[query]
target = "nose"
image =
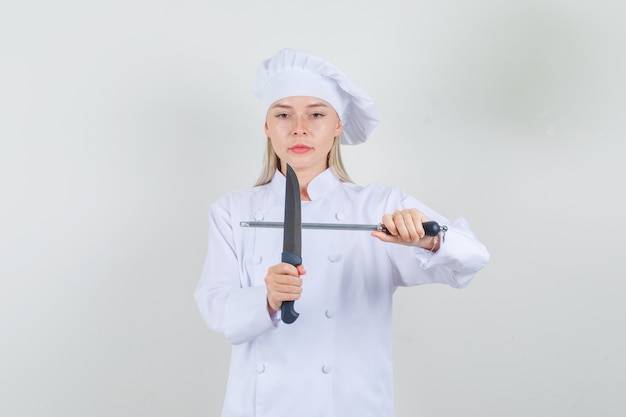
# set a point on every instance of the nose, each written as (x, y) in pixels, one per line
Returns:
(300, 127)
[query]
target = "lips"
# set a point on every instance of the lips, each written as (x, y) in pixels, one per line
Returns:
(300, 148)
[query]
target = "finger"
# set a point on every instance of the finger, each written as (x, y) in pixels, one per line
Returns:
(283, 268)
(283, 280)
(276, 295)
(385, 237)
(419, 219)
(389, 224)
(275, 299)
(281, 289)
(401, 224)
(413, 226)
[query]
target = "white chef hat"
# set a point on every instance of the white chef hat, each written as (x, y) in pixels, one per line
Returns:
(292, 73)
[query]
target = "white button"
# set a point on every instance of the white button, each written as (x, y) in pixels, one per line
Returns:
(257, 260)
(330, 313)
(340, 216)
(258, 216)
(260, 368)
(334, 257)
(327, 369)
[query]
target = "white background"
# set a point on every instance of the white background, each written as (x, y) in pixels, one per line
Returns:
(121, 121)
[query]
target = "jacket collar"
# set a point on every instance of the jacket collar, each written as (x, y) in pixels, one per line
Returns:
(319, 187)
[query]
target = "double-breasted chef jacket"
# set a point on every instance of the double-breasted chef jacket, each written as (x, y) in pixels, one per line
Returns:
(335, 359)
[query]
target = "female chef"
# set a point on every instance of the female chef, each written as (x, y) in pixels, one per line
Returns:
(335, 360)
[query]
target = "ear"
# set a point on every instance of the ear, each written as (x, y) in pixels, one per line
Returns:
(267, 133)
(339, 128)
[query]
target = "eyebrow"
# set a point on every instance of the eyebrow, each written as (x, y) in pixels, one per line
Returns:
(286, 106)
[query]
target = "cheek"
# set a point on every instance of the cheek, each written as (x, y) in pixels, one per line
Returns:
(279, 146)
(328, 144)
(277, 130)
(274, 143)
(269, 128)
(273, 132)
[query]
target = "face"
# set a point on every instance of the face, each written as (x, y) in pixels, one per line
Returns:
(302, 131)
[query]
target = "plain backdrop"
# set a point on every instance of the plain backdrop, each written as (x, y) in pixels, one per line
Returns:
(121, 121)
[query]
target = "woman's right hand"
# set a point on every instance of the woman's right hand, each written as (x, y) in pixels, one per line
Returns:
(283, 283)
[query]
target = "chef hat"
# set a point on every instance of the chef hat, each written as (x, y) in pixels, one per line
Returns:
(292, 73)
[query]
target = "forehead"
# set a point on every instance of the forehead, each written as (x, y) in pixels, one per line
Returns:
(300, 101)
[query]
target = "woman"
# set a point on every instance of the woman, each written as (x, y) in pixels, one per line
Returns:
(335, 360)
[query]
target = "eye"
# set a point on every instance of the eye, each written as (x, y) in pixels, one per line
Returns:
(317, 115)
(282, 115)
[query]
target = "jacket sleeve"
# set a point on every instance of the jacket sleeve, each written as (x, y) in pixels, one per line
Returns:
(238, 311)
(456, 262)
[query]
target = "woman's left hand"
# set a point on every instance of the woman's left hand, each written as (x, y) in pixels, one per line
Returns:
(405, 228)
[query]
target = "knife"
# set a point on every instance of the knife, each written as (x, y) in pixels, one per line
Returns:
(292, 236)
(431, 228)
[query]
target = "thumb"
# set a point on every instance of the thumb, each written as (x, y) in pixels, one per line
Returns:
(384, 237)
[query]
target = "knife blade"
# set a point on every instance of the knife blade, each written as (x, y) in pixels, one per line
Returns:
(431, 228)
(292, 236)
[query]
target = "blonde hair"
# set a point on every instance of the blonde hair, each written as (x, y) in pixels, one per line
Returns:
(272, 162)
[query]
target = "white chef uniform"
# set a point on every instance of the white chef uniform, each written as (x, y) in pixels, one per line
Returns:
(335, 360)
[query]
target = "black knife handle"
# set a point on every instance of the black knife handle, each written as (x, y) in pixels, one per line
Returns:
(431, 228)
(287, 310)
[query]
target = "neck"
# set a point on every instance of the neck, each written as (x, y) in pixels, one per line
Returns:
(305, 176)
(304, 179)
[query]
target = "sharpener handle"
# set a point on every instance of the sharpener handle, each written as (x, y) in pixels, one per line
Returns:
(431, 228)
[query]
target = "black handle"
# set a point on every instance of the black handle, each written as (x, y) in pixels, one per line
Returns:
(287, 311)
(431, 228)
